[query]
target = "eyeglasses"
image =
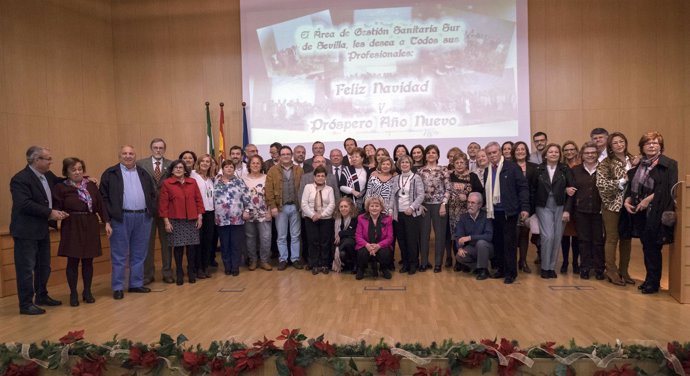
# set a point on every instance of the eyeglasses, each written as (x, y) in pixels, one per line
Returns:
(46, 158)
(648, 143)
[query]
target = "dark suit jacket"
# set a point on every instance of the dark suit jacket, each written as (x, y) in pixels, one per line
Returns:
(30, 209)
(147, 165)
(112, 191)
(308, 165)
(514, 189)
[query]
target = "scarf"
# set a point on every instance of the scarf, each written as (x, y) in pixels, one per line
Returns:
(340, 223)
(84, 195)
(493, 188)
(642, 183)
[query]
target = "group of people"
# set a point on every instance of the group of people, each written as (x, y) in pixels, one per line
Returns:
(345, 213)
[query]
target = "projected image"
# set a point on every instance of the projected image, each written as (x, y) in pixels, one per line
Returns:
(434, 70)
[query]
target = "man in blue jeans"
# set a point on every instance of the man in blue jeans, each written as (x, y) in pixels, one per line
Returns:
(129, 195)
(282, 190)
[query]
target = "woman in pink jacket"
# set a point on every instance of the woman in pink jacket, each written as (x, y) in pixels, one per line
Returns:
(374, 239)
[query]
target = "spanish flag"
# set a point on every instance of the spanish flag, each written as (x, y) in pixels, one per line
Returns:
(221, 134)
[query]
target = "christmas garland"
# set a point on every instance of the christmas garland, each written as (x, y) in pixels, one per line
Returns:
(295, 353)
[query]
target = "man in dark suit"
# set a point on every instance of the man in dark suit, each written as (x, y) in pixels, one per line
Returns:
(32, 213)
(318, 149)
(129, 194)
(506, 197)
(157, 166)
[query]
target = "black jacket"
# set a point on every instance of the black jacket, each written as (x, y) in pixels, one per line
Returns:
(562, 178)
(514, 188)
(30, 210)
(665, 175)
(112, 190)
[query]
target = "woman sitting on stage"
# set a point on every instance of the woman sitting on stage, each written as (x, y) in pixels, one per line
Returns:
(374, 239)
(345, 226)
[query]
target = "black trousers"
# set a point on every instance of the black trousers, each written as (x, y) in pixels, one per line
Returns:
(505, 247)
(407, 232)
(320, 241)
(348, 256)
(590, 236)
(651, 250)
(384, 257)
(207, 247)
(32, 267)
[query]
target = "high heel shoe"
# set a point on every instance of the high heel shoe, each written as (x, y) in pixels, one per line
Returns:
(617, 281)
(74, 300)
(564, 269)
(88, 297)
(524, 268)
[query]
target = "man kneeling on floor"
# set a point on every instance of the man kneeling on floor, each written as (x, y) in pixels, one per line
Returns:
(473, 234)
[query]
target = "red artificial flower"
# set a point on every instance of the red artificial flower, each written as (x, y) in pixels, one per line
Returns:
(91, 365)
(193, 362)
(432, 371)
(625, 370)
(505, 348)
(548, 347)
(72, 337)
(325, 347)
(217, 366)
(247, 359)
(387, 362)
(28, 369)
(474, 359)
(137, 357)
(287, 333)
(264, 345)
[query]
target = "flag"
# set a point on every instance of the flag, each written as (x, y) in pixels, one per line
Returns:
(245, 130)
(209, 134)
(221, 134)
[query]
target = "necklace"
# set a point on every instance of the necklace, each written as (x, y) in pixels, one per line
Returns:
(402, 183)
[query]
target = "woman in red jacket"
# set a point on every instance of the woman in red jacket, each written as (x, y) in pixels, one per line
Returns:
(181, 207)
(374, 239)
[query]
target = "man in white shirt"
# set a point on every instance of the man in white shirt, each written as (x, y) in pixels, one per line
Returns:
(236, 158)
(600, 137)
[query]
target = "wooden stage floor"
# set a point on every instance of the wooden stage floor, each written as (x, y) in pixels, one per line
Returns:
(420, 308)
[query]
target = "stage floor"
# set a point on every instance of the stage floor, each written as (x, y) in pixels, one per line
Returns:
(420, 308)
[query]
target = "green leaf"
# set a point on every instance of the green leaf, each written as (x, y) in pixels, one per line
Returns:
(486, 365)
(181, 339)
(282, 368)
(353, 365)
(165, 340)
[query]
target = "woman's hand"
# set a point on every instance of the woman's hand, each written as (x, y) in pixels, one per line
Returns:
(356, 193)
(442, 210)
(409, 211)
(108, 230)
(644, 204)
(570, 191)
(168, 226)
(566, 217)
(246, 215)
(199, 222)
(629, 206)
(337, 239)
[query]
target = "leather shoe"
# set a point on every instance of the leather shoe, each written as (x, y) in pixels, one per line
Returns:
(168, 280)
(564, 269)
(552, 274)
(509, 280)
(650, 290)
(265, 266)
(437, 269)
(297, 265)
(599, 275)
(483, 274)
(386, 274)
(47, 301)
(282, 265)
(642, 285)
(498, 275)
(404, 269)
(118, 294)
(149, 281)
(141, 289)
(421, 268)
(74, 300)
(32, 310)
(545, 274)
(584, 274)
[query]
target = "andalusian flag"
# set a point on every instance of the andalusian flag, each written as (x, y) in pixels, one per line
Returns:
(209, 132)
(221, 134)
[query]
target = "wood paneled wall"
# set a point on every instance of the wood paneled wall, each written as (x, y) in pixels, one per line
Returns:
(85, 76)
(56, 85)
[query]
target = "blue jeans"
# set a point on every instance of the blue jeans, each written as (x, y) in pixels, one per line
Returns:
(130, 239)
(231, 240)
(288, 216)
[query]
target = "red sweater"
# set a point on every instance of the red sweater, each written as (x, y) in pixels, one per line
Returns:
(180, 201)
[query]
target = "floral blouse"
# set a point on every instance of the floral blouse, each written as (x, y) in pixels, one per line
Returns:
(230, 200)
(257, 197)
(436, 184)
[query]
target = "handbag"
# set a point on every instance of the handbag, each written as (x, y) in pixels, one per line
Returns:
(668, 217)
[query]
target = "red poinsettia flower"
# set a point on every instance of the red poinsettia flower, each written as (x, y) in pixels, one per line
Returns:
(287, 333)
(474, 359)
(548, 347)
(28, 369)
(325, 347)
(247, 359)
(264, 345)
(138, 357)
(625, 370)
(91, 365)
(217, 366)
(72, 337)
(432, 371)
(193, 362)
(387, 362)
